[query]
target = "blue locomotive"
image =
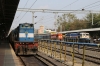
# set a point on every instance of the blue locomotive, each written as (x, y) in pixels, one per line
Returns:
(23, 39)
(78, 37)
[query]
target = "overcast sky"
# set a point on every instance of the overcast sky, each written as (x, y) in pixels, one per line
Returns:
(47, 19)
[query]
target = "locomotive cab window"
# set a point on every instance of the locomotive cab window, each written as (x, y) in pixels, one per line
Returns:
(31, 25)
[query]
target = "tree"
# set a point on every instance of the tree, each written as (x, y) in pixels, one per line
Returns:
(65, 20)
(96, 20)
(70, 22)
(96, 23)
(78, 24)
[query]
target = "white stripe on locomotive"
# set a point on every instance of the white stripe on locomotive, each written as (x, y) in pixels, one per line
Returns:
(22, 35)
(29, 35)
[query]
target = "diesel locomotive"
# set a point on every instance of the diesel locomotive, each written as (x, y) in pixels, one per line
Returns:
(77, 37)
(22, 39)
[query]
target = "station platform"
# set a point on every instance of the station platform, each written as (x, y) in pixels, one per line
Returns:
(7, 55)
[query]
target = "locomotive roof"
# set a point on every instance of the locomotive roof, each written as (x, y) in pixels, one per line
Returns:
(25, 23)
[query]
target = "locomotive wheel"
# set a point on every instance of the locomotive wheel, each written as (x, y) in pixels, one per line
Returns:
(16, 52)
(25, 50)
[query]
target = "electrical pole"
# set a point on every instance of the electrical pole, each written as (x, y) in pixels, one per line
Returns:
(92, 18)
(32, 17)
(61, 28)
(56, 11)
(55, 21)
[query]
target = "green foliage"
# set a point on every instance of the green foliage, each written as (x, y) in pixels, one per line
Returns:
(70, 22)
(65, 20)
(96, 20)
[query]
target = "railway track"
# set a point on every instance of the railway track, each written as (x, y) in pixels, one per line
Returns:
(88, 58)
(93, 49)
(36, 60)
(89, 48)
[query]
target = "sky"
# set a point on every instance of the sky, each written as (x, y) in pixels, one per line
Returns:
(48, 19)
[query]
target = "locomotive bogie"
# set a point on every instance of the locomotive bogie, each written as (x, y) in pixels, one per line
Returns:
(25, 47)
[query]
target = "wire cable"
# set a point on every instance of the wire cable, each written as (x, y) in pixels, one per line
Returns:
(87, 6)
(43, 19)
(83, 7)
(23, 7)
(90, 4)
(69, 4)
(27, 11)
(66, 6)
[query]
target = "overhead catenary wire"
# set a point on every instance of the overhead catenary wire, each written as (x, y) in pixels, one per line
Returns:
(69, 4)
(87, 6)
(21, 11)
(43, 19)
(64, 7)
(28, 9)
(90, 4)
(83, 7)
(95, 7)
(23, 7)
(49, 20)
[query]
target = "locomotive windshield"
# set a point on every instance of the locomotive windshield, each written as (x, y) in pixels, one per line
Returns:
(84, 35)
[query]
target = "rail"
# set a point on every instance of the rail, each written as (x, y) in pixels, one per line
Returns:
(44, 45)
